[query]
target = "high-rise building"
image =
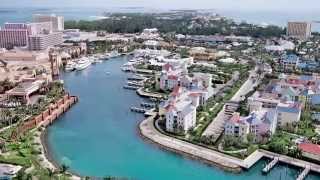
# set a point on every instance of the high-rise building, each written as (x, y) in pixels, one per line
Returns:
(57, 21)
(43, 41)
(40, 28)
(300, 30)
(14, 34)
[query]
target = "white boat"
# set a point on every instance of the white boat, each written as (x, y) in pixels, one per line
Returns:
(113, 54)
(83, 63)
(71, 66)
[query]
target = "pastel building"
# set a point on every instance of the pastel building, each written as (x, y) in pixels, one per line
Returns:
(289, 62)
(172, 76)
(14, 34)
(288, 113)
(261, 124)
(19, 34)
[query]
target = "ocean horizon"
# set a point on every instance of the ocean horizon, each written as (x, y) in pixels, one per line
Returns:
(279, 18)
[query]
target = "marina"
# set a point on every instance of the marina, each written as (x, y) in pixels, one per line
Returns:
(111, 151)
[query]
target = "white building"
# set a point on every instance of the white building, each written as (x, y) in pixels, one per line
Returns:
(57, 21)
(180, 110)
(43, 41)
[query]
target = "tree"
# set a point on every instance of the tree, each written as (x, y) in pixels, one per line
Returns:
(64, 168)
(50, 172)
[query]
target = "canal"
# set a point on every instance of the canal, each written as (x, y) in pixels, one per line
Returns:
(99, 137)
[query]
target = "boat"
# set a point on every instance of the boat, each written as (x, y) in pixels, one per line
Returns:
(108, 73)
(114, 54)
(71, 66)
(83, 63)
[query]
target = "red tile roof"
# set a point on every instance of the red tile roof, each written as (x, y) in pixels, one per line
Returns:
(167, 67)
(173, 77)
(310, 148)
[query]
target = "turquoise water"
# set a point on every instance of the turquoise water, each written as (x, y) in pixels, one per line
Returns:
(99, 137)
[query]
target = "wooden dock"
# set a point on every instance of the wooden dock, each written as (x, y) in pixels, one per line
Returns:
(269, 166)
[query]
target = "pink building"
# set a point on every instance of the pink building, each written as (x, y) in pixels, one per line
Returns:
(14, 34)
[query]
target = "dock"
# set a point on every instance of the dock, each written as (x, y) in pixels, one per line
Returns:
(135, 83)
(304, 173)
(148, 105)
(269, 166)
(138, 110)
(131, 87)
(136, 78)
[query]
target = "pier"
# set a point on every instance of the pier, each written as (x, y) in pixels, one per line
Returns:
(135, 83)
(136, 78)
(148, 105)
(269, 166)
(131, 87)
(304, 173)
(138, 110)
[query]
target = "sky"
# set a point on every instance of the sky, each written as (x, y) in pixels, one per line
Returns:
(245, 5)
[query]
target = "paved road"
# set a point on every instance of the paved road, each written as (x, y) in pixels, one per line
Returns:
(216, 127)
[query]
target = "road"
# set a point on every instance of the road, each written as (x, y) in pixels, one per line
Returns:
(216, 127)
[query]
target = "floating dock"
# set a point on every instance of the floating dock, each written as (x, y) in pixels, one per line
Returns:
(269, 166)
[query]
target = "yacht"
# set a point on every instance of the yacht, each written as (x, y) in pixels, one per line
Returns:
(83, 63)
(114, 54)
(71, 66)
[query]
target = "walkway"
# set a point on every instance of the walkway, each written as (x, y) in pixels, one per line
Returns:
(227, 162)
(147, 94)
(148, 130)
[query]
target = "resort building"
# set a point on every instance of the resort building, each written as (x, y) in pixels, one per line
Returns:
(181, 108)
(280, 46)
(14, 34)
(289, 62)
(287, 96)
(300, 30)
(149, 34)
(43, 41)
(288, 113)
(176, 74)
(260, 124)
(24, 90)
(57, 21)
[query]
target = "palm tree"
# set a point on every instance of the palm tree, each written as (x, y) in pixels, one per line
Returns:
(50, 172)
(7, 115)
(64, 168)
